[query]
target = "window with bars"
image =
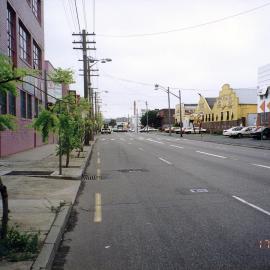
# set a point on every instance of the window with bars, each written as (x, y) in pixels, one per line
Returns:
(23, 104)
(25, 44)
(36, 56)
(11, 104)
(3, 103)
(11, 33)
(36, 7)
(29, 106)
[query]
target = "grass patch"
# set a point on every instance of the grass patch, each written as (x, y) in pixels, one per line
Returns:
(19, 246)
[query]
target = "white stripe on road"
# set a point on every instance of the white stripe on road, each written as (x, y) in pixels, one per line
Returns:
(112, 139)
(98, 212)
(252, 205)
(141, 149)
(209, 154)
(176, 146)
(164, 160)
(263, 166)
(154, 141)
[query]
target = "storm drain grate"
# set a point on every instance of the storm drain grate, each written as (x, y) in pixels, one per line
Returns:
(131, 170)
(91, 177)
(199, 190)
(30, 173)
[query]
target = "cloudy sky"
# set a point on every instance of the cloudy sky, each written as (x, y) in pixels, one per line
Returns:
(171, 43)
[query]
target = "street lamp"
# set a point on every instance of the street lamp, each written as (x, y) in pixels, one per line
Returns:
(167, 90)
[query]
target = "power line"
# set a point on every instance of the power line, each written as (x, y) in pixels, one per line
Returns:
(68, 21)
(188, 27)
(76, 8)
(72, 14)
(84, 14)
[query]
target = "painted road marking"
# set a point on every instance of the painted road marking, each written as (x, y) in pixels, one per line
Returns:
(98, 174)
(263, 166)
(154, 141)
(98, 154)
(209, 154)
(176, 146)
(98, 211)
(252, 205)
(112, 139)
(98, 160)
(141, 149)
(164, 160)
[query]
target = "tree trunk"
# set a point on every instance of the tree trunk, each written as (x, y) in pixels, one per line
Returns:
(4, 195)
(67, 159)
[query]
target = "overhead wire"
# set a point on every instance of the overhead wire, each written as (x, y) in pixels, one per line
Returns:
(187, 27)
(72, 15)
(78, 20)
(84, 14)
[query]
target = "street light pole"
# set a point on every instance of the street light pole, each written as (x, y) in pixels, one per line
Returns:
(180, 107)
(169, 105)
(146, 116)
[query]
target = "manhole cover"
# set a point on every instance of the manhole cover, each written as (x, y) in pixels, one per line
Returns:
(199, 190)
(30, 173)
(131, 170)
(91, 177)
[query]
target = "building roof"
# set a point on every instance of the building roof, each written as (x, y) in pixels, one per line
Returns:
(211, 101)
(246, 95)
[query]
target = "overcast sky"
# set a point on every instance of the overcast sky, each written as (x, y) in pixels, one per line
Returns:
(200, 58)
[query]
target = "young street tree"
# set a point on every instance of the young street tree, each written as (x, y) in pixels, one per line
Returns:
(153, 119)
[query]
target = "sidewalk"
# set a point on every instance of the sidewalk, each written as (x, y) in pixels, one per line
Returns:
(35, 200)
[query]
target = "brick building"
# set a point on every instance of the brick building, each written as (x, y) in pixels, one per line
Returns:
(164, 116)
(22, 39)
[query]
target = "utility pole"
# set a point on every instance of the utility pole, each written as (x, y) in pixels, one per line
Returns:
(146, 116)
(86, 70)
(180, 108)
(169, 103)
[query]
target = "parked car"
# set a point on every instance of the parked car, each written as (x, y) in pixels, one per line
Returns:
(195, 130)
(244, 131)
(228, 132)
(261, 133)
(106, 131)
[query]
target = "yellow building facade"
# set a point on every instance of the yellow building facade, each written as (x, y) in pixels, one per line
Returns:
(233, 107)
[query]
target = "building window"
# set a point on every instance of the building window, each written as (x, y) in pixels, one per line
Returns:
(216, 117)
(23, 104)
(3, 103)
(228, 116)
(25, 44)
(11, 104)
(213, 117)
(29, 106)
(232, 116)
(11, 33)
(221, 116)
(36, 56)
(36, 107)
(36, 7)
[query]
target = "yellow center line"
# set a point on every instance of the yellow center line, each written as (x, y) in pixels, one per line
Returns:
(98, 174)
(98, 211)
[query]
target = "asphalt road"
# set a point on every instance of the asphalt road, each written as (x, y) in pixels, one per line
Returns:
(168, 203)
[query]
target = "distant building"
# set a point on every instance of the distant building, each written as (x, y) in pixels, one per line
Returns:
(233, 107)
(263, 91)
(164, 116)
(187, 111)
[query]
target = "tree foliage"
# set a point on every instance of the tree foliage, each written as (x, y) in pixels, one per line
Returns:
(153, 119)
(60, 76)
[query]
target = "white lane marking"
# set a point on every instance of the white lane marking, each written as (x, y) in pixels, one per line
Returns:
(98, 160)
(176, 146)
(154, 141)
(98, 154)
(252, 205)
(164, 160)
(141, 149)
(98, 211)
(259, 165)
(98, 174)
(103, 139)
(112, 139)
(209, 154)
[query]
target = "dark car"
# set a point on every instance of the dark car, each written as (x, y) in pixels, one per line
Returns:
(261, 133)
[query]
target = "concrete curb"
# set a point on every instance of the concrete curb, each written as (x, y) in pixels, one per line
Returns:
(51, 244)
